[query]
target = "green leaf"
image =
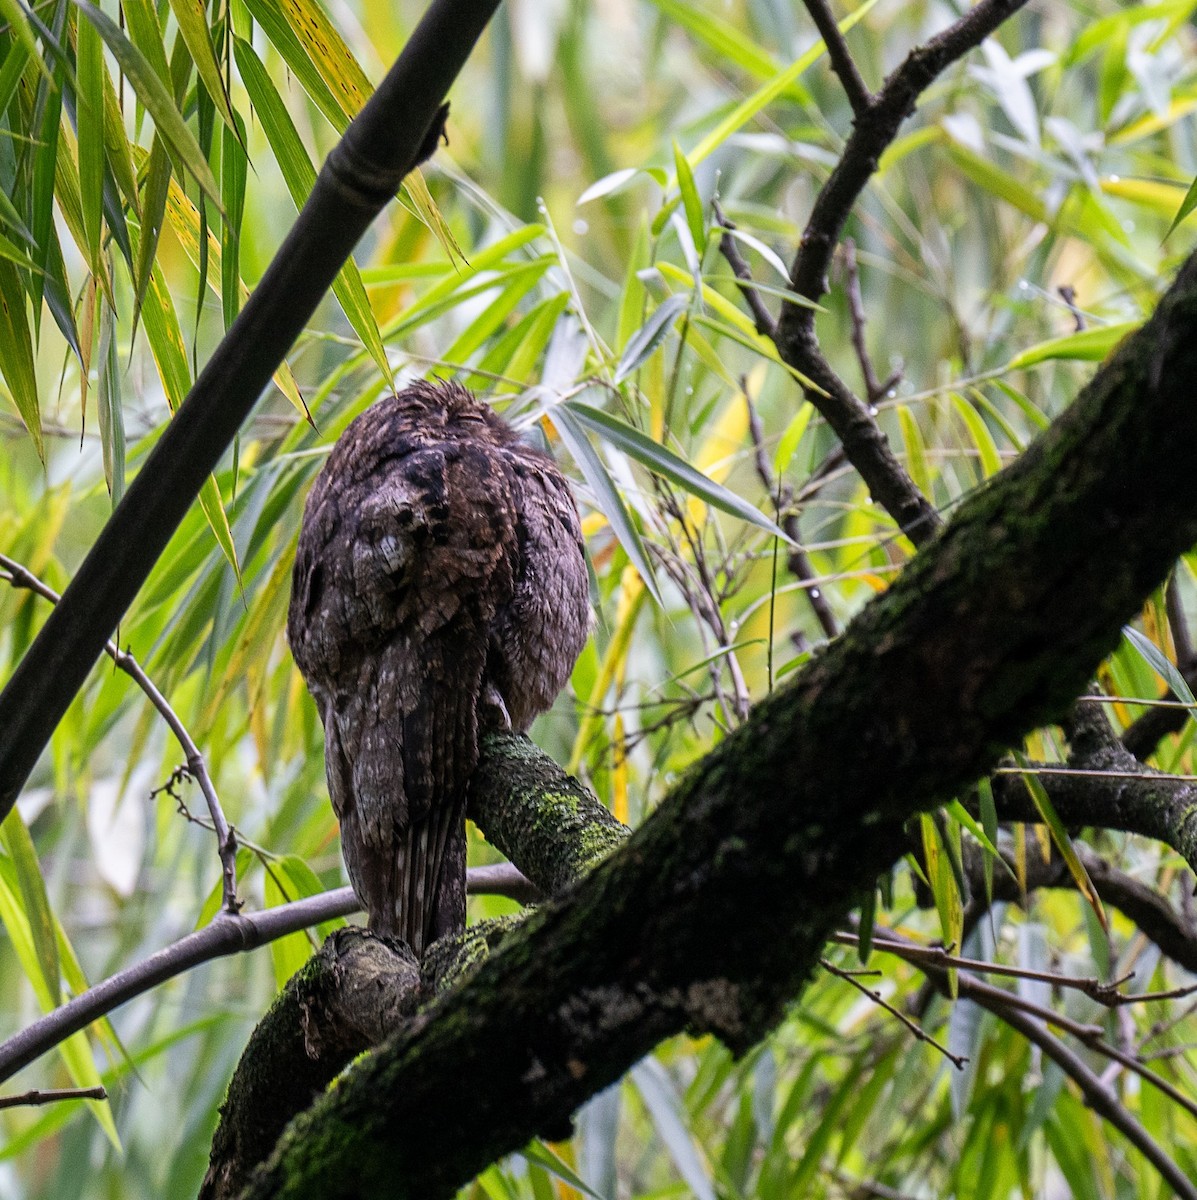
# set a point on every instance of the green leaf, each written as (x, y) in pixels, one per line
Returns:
(75, 1052)
(1061, 840)
(664, 462)
(1090, 345)
(278, 30)
(1159, 662)
(791, 438)
(192, 17)
(665, 1111)
(606, 495)
(289, 953)
(916, 451)
(991, 460)
(19, 845)
(90, 119)
(649, 336)
(300, 177)
(782, 82)
(146, 34)
(331, 56)
(997, 182)
(609, 185)
(233, 170)
(544, 1156)
(112, 416)
(16, 353)
(151, 91)
(17, 20)
(690, 199)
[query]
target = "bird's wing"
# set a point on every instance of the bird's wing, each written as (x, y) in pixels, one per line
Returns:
(539, 634)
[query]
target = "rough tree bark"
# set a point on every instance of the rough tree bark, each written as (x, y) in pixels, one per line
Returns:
(714, 913)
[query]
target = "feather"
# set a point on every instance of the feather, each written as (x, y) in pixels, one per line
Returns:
(439, 575)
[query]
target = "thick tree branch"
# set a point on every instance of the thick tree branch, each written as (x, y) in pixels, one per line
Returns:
(716, 910)
(1121, 794)
(393, 133)
(361, 988)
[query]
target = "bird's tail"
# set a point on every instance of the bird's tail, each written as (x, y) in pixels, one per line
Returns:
(430, 862)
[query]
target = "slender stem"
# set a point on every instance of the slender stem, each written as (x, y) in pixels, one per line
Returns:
(226, 840)
(52, 1096)
(766, 323)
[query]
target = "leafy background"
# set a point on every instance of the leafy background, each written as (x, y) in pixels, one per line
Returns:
(558, 256)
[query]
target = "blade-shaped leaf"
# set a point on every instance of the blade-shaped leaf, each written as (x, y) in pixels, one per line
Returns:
(16, 353)
(1160, 663)
(193, 25)
(649, 336)
(664, 462)
(300, 177)
(1090, 345)
(15, 836)
(606, 495)
(151, 91)
(1063, 843)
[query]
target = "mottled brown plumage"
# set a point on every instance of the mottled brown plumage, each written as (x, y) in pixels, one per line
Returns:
(439, 586)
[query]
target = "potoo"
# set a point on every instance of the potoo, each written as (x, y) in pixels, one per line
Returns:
(439, 588)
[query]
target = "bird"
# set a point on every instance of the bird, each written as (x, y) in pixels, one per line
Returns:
(439, 589)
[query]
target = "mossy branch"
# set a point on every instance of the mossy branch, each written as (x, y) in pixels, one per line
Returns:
(359, 989)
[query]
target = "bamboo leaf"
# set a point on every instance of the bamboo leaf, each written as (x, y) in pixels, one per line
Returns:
(649, 336)
(1063, 843)
(151, 91)
(606, 495)
(192, 17)
(89, 66)
(275, 25)
(982, 439)
(654, 456)
(36, 904)
(1090, 345)
(331, 56)
(16, 353)
(112, 416)
(782, 82)
(1159, 662)
(691, 200)
(300, 177)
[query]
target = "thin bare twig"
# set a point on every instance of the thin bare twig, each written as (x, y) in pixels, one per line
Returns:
(932, 961)
(1097, 1095)
(1067, 293)
(842, 62)
(1105, 992)
(52, 1096)
(871, 136)
(797, 560)
(875, 390)
(226, 839)
(766, 323)
(916, 1030)
(874, 129)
